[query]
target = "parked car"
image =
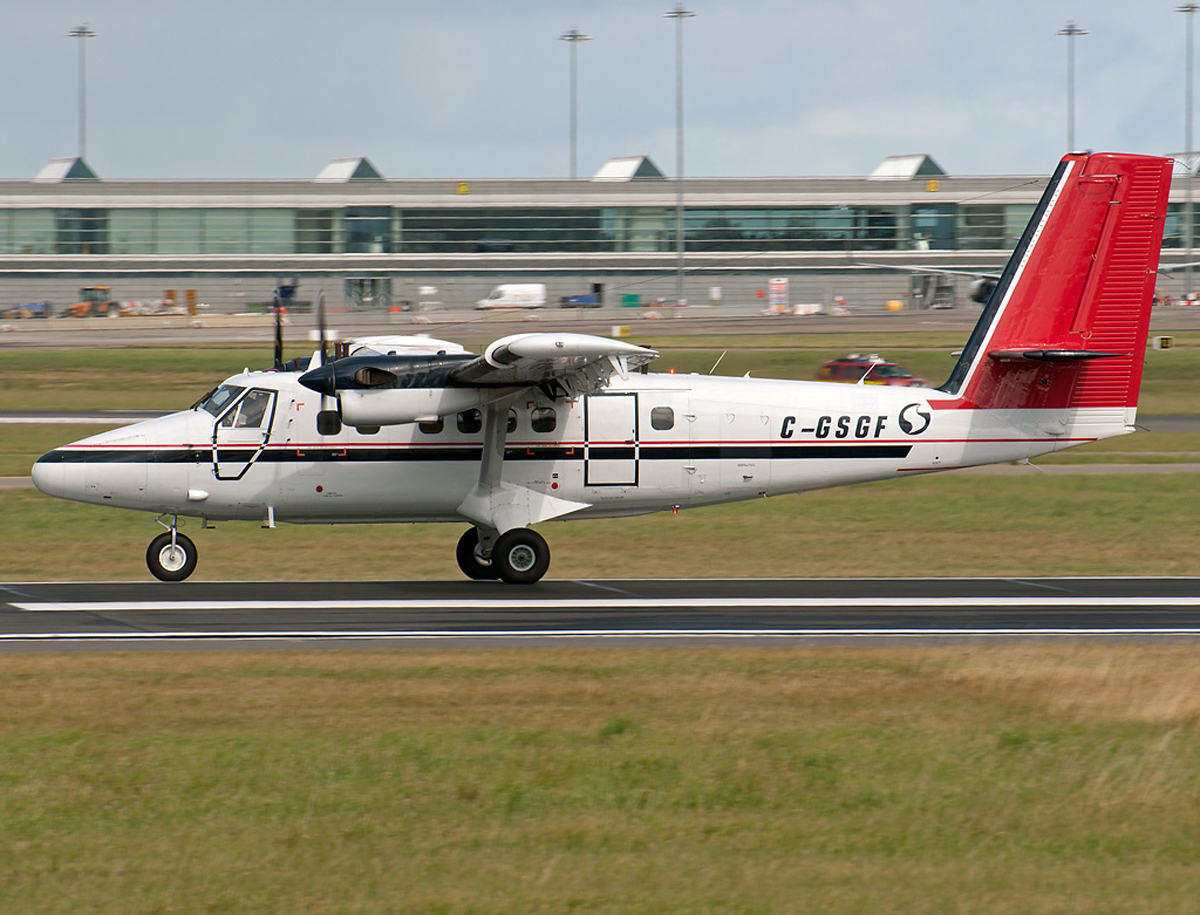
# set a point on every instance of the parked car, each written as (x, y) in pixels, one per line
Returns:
(853, 366)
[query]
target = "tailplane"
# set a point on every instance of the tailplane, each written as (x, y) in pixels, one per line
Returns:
(1066, 325)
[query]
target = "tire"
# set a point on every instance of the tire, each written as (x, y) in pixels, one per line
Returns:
(521, 556)
(469, 561)
(167, 566)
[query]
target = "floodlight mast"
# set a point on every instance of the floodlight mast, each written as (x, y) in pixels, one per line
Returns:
(574, 37)
(679, 14)
(1070, 31)
(1189, 229)
(83, 33)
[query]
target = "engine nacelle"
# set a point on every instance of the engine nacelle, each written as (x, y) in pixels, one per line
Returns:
(396, 406)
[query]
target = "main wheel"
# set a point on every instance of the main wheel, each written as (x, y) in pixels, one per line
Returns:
(469, 561)
(521, 556)
(171, 563)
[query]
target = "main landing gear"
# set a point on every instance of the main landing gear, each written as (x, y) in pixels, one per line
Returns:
(171, 556)
(519, 556)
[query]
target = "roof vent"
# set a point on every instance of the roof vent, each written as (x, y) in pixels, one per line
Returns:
(354, 168)
(899, 168)
(71, 168)
(628, 168)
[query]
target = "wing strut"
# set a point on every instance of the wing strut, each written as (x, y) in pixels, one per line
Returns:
(494, 506)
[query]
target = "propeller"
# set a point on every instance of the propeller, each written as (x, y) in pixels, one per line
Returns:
(329, 419)
(278, 333)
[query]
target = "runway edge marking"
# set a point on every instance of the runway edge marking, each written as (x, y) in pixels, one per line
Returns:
(417, 635)
(607, 603)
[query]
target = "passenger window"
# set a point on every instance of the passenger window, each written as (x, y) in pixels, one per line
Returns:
(432, 427)
(512, 421)
(543, 419)
(470, 422)
(662, 418)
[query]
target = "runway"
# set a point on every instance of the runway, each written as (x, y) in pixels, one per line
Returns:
(108, 616)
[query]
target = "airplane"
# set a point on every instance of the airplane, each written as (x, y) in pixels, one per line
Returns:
(544, 426)
(982, 284)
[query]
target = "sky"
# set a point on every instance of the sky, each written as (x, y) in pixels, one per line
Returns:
(275, 89)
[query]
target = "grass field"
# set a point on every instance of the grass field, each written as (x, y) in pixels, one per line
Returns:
(1022, 780)
(173, 378)
(1030, 524)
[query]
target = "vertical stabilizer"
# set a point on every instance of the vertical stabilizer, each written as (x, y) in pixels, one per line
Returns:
(1066, 326)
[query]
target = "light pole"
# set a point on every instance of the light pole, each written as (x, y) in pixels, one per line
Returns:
(83, 33)
(679, 14)
(574, 37)
(1071, 30)
(1188, 151)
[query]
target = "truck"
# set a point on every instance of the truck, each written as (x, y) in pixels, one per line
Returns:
(589, 300)
(514, 295)
(94, 301)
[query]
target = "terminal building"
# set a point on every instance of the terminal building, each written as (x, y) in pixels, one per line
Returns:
(367, 241)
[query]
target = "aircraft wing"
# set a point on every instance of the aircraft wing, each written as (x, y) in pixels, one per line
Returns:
(974, 273)
(580, 362)
(1169, 269)
(380, 389)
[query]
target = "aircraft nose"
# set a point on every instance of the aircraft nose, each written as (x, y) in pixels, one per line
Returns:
(50, 475)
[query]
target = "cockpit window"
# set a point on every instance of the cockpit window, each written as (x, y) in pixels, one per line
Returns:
(219, 399)
(250, 413)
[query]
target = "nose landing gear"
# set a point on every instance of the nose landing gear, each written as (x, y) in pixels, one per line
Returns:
(171, 556)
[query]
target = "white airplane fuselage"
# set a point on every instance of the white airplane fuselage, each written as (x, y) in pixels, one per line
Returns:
(649, 442)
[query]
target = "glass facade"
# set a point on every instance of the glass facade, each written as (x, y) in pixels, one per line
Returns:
(991, 227)
(1175, 235)
(201, 231)
(81, 231)
(452, 230)
(803, 229)
(540, 230)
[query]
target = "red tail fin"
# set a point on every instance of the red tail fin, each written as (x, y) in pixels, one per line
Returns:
(1066, 326)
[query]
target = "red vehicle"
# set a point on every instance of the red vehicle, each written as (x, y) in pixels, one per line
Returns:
(853, 366)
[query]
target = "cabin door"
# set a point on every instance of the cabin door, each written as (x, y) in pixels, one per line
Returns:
(610, 450)
(241, 433)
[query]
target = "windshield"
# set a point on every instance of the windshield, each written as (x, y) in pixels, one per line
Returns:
(889, 371)
(219, 399)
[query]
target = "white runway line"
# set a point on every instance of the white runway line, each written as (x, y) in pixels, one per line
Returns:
(601, 603)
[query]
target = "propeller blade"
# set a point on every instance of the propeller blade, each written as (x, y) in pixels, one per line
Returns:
(321, 329)
(329, 419)
(278, 333)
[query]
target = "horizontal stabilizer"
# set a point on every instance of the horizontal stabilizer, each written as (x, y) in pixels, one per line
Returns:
(1049, 355)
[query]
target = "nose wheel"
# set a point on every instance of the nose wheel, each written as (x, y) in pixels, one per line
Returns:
(171, 556)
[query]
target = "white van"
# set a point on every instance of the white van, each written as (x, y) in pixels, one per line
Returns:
(515, 295)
